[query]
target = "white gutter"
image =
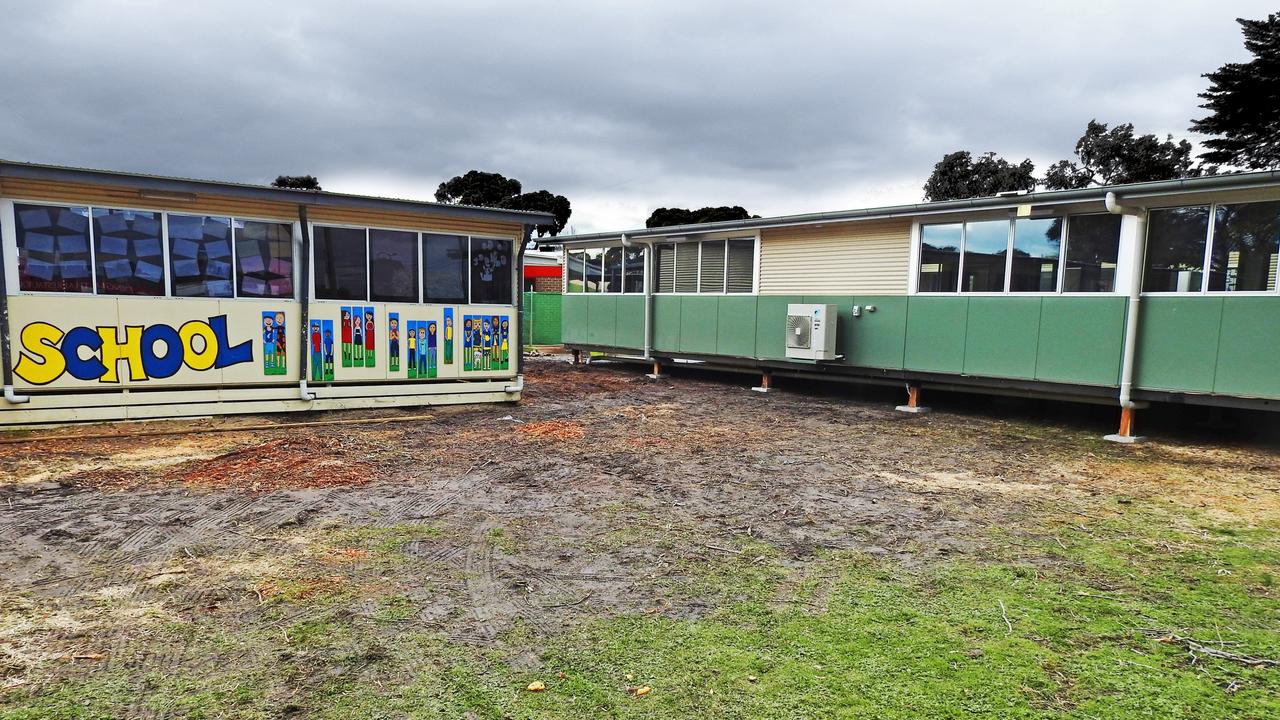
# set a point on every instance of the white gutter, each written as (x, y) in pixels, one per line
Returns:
(650, 267)
(13, 397)
(1135, 296)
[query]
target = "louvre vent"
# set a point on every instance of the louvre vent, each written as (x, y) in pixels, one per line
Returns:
(798, 331)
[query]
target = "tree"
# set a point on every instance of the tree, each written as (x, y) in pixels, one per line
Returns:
(486, 189)
(958, 176)
(667, 217)
(1116, 155)
(298, 182)
(1243, 101)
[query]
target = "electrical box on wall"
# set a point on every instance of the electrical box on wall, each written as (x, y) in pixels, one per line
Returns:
(811, 332)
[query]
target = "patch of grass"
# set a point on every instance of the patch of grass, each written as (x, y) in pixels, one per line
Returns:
(381, 542)
(396, 608)
(501, 539)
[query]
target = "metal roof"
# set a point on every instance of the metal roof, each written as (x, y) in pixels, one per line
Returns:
(34, 171)
(1131, 191)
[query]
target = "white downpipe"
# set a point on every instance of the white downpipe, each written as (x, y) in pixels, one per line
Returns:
(13, 398)
(303, 393)
(1135, 296)
(650, 267)
(518, 387)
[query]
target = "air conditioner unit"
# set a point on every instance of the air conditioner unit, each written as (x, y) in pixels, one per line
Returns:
(811, 332)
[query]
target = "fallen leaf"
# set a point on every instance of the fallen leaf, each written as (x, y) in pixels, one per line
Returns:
(642, 691)
(536, 686)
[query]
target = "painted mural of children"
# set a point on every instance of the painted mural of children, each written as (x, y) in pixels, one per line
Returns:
(280, 338)
(420, 359)
(411, 357)
(368, 337)
(393, 342)
(506, 347)
(357, 339)
(466, 344)
(448, 337)
(268, 343)
(328, 352)
(317, 359)
(431, 349)
(346, 337)
(486, 342)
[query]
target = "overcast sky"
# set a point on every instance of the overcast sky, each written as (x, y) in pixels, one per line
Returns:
(781, 107)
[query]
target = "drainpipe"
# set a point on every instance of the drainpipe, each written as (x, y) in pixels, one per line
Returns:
(1127, 404)
(526, 235)
(648, 292)
(303, 393)
(6, 358)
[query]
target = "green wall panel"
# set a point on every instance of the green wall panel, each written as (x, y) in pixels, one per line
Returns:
(1081, 340)
(573, 318)
(877, 339)
(736, 326)
(771, 325)
(630, 322)
(541, 321)
(699, 315)
(1001, 337)
(666, 322)
(1249, 348)
(1178, 343)
(602, 319)
(936, 333)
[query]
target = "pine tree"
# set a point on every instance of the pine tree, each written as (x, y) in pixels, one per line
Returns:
(1244, 103)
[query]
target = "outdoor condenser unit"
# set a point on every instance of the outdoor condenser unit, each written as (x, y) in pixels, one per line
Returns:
(811, 332)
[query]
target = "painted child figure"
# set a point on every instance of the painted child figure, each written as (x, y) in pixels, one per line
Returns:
(448, 337)
(466, 345)
(368, 338)
(420, 360)
(357, 339)
(346, 337)
(431, 349)
(506, 344)
(486, 342)
(317, 359)
(393, 342)
(268, 343)
(280, 338)
(328, 353)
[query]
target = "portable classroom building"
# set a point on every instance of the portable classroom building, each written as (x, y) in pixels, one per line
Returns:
(1161, 291)
(134, 296)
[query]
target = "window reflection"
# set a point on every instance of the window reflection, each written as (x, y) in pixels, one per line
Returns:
(1037, 244)
(1176, 240)
(939, 257)
(1246, 238)
(986, 244)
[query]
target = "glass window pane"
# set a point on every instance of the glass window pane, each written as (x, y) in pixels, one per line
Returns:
(264, 259)
(612, 270)
(1246, 244)
(986, 245)
(490, 271)
(687, 268)
(575, 267)
(1093, 245)
(592, 269)
(633, 270)
(340, 264)
(939, 257)
(130, 260)
(1175, 249)
(742, 262)
(53, 249)
(712, 273)
(200, 256)
(666, 268)
(393, 266)
(1037, 245)
(444, 268)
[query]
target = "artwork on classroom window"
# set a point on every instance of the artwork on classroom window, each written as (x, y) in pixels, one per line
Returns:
(486, 342)
(448, 336)
(393, 342)
(321, 350)
(357, 336)
(273, 343)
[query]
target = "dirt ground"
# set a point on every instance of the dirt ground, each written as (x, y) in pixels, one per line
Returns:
(595, 496)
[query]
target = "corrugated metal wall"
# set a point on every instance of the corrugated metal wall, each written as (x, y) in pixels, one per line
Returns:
(860, 257)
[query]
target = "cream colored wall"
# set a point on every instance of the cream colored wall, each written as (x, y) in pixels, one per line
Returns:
(871, 257)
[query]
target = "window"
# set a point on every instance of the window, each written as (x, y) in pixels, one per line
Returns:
(1037, 244)
(393, 266)
(53, 249)
(1093, 246)
(1176, 239)
(200, 256)
(986, 244)
(741, 265)
(687, 268)
(1246, 245)
(130, 260)
(711, 272)
(666, 266)
(940, 257)
(341, 263)
(612, 270)
(575, 260)
(264, 259)
(491, 277)
(633, 270)
(593, 269)
(444, 268)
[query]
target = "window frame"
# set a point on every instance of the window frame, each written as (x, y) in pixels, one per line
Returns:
(512, 264)
(755, 265)
(570, 251)
(1210, 237)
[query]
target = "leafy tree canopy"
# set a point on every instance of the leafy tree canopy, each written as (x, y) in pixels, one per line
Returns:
(486, 189)
(958, 175)
(297, 182)
(666, 217)
(1113, 156)
(1243, 101)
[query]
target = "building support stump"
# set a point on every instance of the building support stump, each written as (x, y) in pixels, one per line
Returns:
(913, 405)
(766, 381)
(657, 372)
(1125, 435)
